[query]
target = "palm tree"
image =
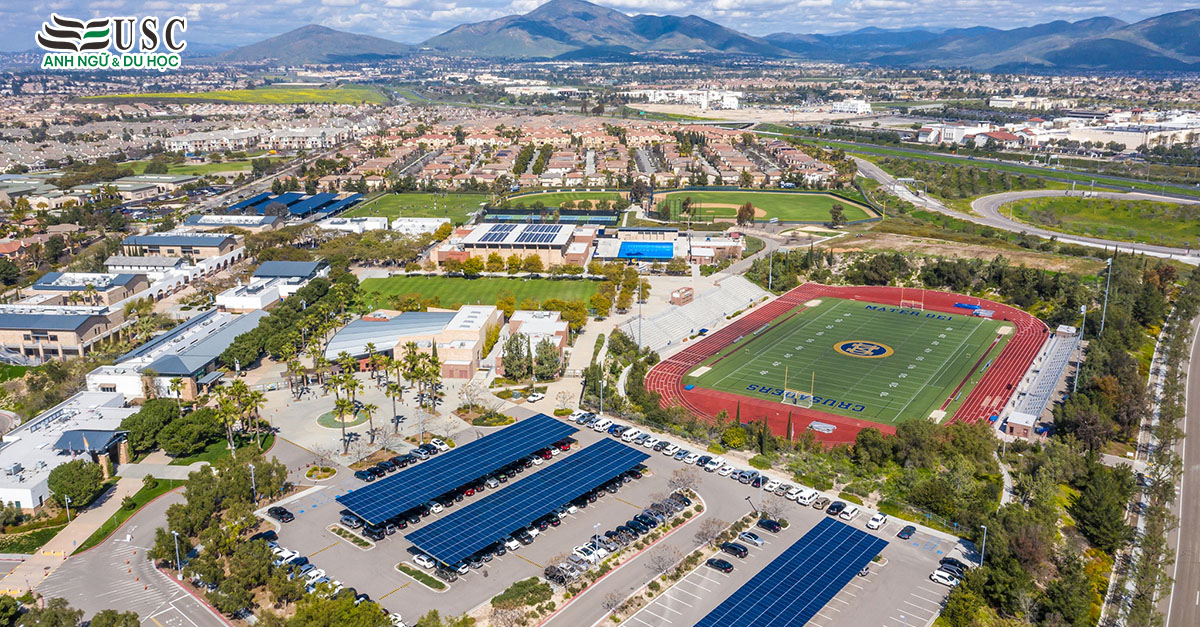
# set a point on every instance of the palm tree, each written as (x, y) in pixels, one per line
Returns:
(176, 387)
(341, 407)
(294, 368)
(395, 391)
(369, 409)
(253, 402)
(90, 293)
(227, 414)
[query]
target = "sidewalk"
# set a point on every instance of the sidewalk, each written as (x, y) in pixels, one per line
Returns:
(28, 574)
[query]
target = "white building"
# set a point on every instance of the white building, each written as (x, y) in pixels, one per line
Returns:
(273, 281)
(86, 426)
(417, 226)
(856, 107)
(354, 225)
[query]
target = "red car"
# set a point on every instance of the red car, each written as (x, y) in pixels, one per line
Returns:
(544, 453)
(468, 491)
(563, 445)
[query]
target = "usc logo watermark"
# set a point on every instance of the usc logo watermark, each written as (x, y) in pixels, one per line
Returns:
(111, 43)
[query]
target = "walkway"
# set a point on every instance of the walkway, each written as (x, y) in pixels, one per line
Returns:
(32, 571)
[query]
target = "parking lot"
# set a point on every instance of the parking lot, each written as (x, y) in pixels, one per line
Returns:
(894, 593)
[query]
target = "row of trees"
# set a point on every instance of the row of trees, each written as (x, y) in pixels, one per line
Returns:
(522, 360)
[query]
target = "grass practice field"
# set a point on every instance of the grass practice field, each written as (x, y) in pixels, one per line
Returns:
(1144, 221)
(554, 199)
(455, 291)
(449, 205)
(203, 169)
(343, 94)
(877, 363)
(782, 205)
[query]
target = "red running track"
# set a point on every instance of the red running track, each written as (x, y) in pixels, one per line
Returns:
(987, 398)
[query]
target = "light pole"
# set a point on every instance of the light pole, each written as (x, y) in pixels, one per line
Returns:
(253, 484)
(67, 500)
(177, 566)
(1104, 314)
(983, 549)
(1079, 360)
(770, 270)
(596, 527)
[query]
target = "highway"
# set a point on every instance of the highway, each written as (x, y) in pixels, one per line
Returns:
(1183, 604)
(988, 207)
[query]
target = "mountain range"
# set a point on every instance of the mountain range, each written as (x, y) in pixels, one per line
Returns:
(576, 29)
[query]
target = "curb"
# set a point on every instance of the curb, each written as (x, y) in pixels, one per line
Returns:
(131, 516)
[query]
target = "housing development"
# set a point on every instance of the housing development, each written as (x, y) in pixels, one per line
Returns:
(577, 317)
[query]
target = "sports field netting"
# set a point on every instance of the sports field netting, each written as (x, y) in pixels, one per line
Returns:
(879, 363)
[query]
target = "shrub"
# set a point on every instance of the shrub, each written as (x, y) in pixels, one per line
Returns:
(81, 480)
(562, 411)
(524, 593)
(761, 462)
(817, 482)
(853, 498)
(716, 449)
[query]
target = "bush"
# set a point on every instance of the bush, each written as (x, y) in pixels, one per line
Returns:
(816, 482)
(761, 462)
(80, 480)
(716, 449)
(562, 411)
(853, 498)
(493, 419)
(524, 593)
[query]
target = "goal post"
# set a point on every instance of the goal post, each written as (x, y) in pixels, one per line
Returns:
(906, 302)
(797, 398)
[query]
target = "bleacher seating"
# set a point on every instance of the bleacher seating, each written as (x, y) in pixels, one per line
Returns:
(707, 311)
(1058, 354)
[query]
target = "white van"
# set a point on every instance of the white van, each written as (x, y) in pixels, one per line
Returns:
(850, 513)
(714, 464)
(806, 496)
(602, 426)
(630, 434)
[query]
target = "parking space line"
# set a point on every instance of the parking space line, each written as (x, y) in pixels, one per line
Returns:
(676, 588)
(670, 609)
(938, 601)
(319, 550)
(841, 600)
(634, 617)
(695, 584)
(707, 579)
(677, 600)
(528, 560)
(920, 607)
(647, 610)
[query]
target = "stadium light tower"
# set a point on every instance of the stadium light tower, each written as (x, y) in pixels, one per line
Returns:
(1108, 282)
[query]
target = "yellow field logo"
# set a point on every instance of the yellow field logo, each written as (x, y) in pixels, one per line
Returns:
(866, 350)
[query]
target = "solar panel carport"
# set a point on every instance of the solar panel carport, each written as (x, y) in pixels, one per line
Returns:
(798, 583)
(378, 501)
(474, 527)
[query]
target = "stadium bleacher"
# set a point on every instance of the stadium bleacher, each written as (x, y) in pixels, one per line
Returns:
(707, 311)
(1057, 355)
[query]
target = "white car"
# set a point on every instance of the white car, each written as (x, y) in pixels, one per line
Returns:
(651, 442)
(691, 458)
(726, 470)
(771, 485)
(532, 530)
(715, 464)
(793, 493)
(424, 561)
(396, 620)
(877, 521)
(511, 543)
(435, 507)
(670, 449)
(441, 446)
(944, 578)
(537, 461)
(576, 414)
(806, 496)
(586, 553)
(536, 396)
(630, 434)
(314, 575)
(571, 509)
(850, 513)
(602, 425)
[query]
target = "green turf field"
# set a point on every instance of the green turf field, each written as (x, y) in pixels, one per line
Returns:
(451, 205)
(1145, 221)
(921, 359)
(343, 94)
(782, 205)
(554, 199)
(455, 291)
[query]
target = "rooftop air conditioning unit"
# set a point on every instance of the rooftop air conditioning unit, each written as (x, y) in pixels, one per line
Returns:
(14, 469)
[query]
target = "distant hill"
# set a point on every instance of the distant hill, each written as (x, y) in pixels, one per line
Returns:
(315, 44)
(563, 27)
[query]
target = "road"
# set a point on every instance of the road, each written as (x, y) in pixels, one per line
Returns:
(990, 216)
(1183, 604)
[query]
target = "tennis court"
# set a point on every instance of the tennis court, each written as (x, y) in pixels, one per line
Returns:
(879, 363)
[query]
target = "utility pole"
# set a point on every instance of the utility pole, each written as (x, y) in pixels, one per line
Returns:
(1104, 314)
(983, 549)
(770, 270)
(178, 568)
(253, 484)
(67, 500)
(1079, 360)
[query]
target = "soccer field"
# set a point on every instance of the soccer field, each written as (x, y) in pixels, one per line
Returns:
(782, 205)
(453, 292)
(451, 205)
(878, 363)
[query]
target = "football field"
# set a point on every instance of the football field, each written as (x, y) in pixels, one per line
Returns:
(878, 363)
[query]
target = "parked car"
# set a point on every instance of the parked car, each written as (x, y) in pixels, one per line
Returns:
(652, 442)
(820, 502)
(751, 537)
(281, 514)
(771, 485)
(950, 561)
(714, 464)
(351, 521)
(511, 543)
(907, 532)
(374, 532)
(670, 450)
(720, 564)
(770, 525)
(735, 549)
(944, 578)
(690, 458)
(877, 521)
(850, 513)
(726, 470)
(364, 475)
(835, 508)
(536, 396)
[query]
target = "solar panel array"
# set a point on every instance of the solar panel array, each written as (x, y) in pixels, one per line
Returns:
(397, 493)
(539, 233)
(249, 202)
(798, 583)
(312, 203)
(497, 233)
(474, 527)
(341, 204)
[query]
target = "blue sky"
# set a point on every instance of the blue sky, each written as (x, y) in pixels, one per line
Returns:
(238, 22)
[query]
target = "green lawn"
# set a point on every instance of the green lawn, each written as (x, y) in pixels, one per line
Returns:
(8, 372)
(554, 199)
(220, 450)
(237, 165)
(28, 542)
(782, 205)
(344, 94)
(1144, 221)
(929, 357)
(453, 292)
(455, 206)
(140, 498)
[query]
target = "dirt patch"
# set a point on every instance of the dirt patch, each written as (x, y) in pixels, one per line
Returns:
(942, 248)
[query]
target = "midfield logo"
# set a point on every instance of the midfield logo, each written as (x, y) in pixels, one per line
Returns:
(110, 43)
(867, 350)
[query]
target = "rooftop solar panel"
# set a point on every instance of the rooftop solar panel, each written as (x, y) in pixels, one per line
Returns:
(474, 527)
(394, 494)
(798, 583)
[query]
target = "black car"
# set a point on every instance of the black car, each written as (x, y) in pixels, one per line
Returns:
(542, 524)
(553, 519)
(523, 537)
(637, 526)
(907, 532)
(953, 570)
(682, 499)
(386, 466)
(580, 503)
(720, 565)
(413, 517)
(649, 522)
(769, 525)
(735, 549)
(281, 514)
(629, 530)
(835, 508)
(400, 461)
(429, 448)
(364, 475)
(950, 561)
(499, 549)
(266, 536)
(373, 532)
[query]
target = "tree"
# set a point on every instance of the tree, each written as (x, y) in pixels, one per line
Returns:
(734, 437)
(532, 263)
(872, 449)
(662, 559)
(80, 480)
(745, 179)
(710, 529)
(9, 272)
(683, 479)
(564, 399)
(837, 214)
(113, 618)
(548, 360)
(57, 613)
(190, 434)
(514, 264)
(495, 263)
(144, 427)
(472, 267)
(612, 601)
(515, 357)
(1069, 598)
(745, 214)
(601, 303)
(1099, 509)
(9, 611)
